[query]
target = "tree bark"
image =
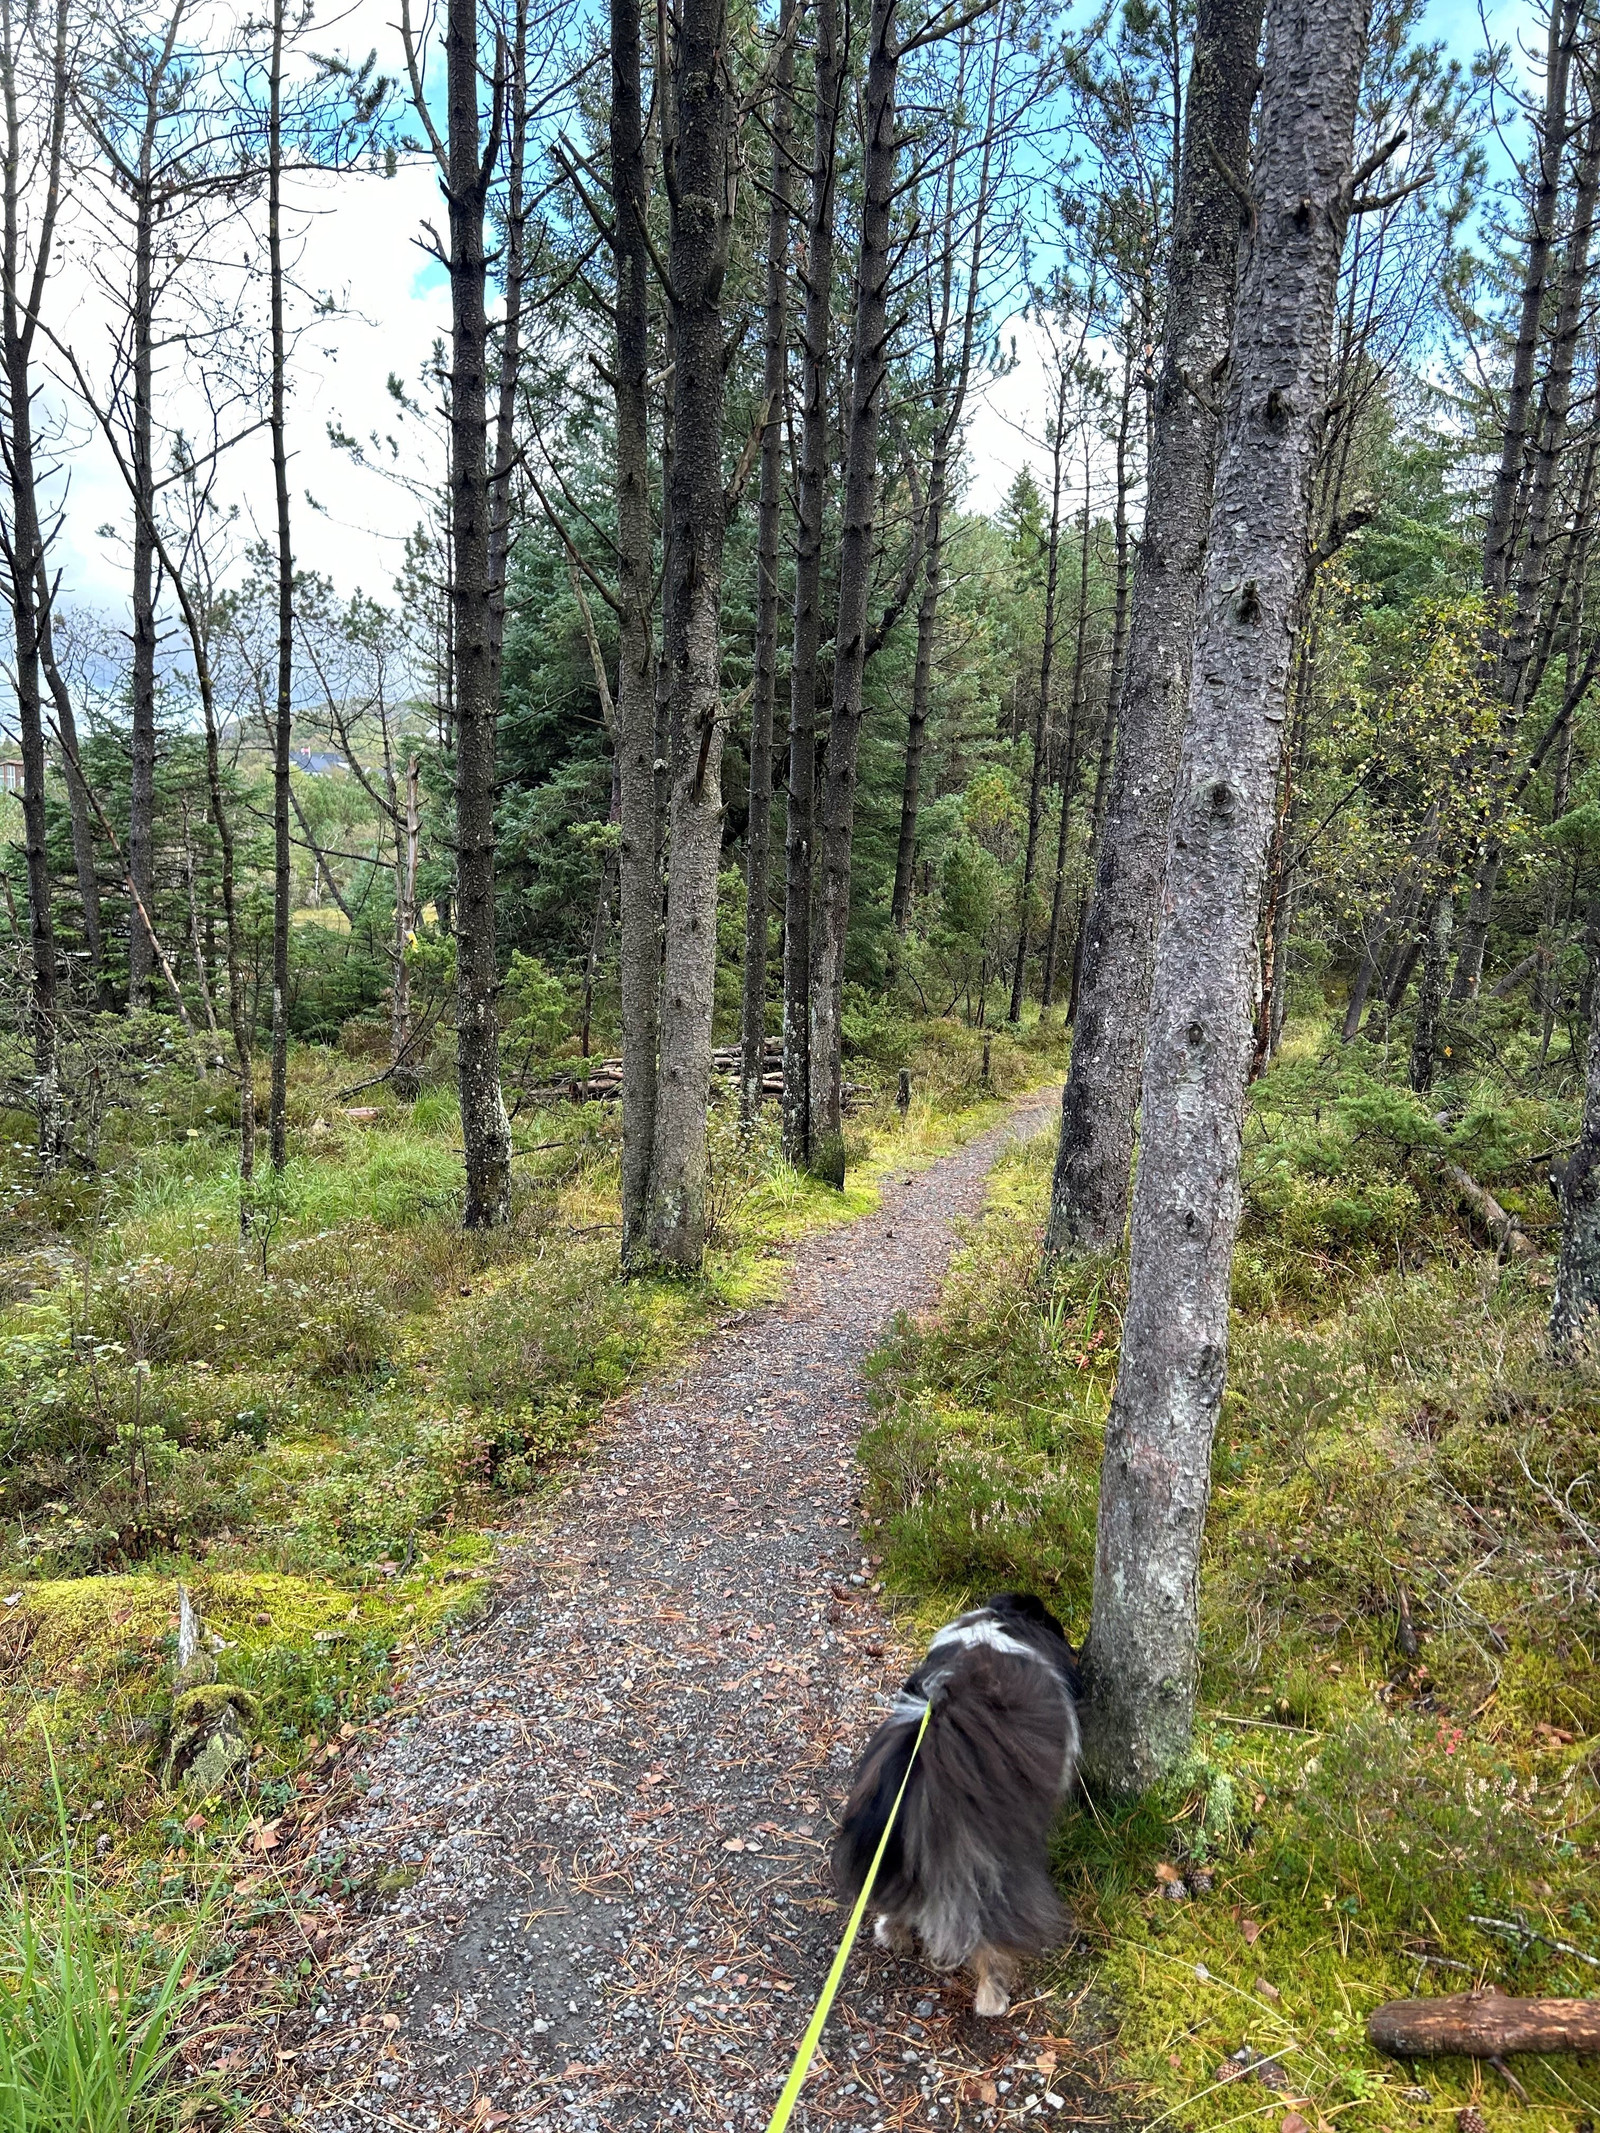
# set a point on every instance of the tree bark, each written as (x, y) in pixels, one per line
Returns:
(1089, 1196)
(949, 399)
(1430, 994)
(1577, 1188)
(869, 364)
(408, 837)
(1483, 2025)
(769, 513)
(21, 292)
(283, 703)
(1069, 757)
(485, 1129)
(1500, 525)
(142, 673)
(699, 176)
(83, 859)
(514, 277)
(1142, 1654)
(639, 888)
(1515, 665)
(1041, 716)
(828, 66)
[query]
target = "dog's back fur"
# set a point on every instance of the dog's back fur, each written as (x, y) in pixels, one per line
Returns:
(967, 1864)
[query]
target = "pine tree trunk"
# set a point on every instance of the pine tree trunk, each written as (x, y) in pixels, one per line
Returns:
(949, 394)
(1069, 759)
(921, 692)
(1142, 1655)
(21, 573)
(20, 289)
(1116, 675)
(1089, 1197)
(769, 513)
(1041, 716)
(868, 369)
(1500, 524)
(278, 1102)
(1430, 994)
(639, 888)
(1515, 667)
(142, 672)
(83, 861)
(699, 189)
(1577, 1184)
(239, 1017)
(408, 837)
(828, 66)
(485, 1129)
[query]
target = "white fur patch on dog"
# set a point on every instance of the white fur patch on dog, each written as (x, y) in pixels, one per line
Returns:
(966, 1632)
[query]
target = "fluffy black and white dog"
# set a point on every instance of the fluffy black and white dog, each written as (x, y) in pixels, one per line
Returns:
(966, 1872)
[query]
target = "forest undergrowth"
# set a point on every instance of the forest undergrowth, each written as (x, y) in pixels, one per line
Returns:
(1394, 1787)
(323, 1428)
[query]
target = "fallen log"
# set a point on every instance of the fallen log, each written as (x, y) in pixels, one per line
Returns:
(1483, 2025)
(1505, 1229)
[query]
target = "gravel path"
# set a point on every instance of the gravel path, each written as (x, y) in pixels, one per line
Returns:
(600, 1844)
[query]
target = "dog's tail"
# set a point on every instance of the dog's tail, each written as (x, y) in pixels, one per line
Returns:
(967, 1860)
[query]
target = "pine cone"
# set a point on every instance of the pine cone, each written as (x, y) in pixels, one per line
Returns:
(1471, 2121)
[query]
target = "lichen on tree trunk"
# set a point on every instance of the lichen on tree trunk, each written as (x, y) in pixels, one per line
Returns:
(1089, 1197)
(699, 190)
(1142, 1656)
(868, 373)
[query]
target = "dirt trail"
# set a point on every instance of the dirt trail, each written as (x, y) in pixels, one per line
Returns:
(600, 1844)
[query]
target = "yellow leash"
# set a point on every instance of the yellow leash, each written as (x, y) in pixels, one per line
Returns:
(824, 2007)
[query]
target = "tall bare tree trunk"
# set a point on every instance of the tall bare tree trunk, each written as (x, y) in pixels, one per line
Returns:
(1069, 758)
(408, 828)
(1500, 525)
(83, 859)
(1430, 993)
(1516, 673)
(283, 705)
(514, 277)
(485, 1129)
(1142, 1655)
(1041, 716)
(774, 367)
(1089, 1197)
(800, 835)
(21, 293)
(1116, 673)
(868, 370)
(639, 890)
(1577, 1184)
(949, 396)
(699, 172)
(142, 673)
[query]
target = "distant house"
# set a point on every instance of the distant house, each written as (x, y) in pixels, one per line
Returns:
(10, 777)
(316, 763)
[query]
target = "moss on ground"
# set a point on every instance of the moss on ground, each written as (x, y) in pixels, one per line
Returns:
(1395, 1444)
